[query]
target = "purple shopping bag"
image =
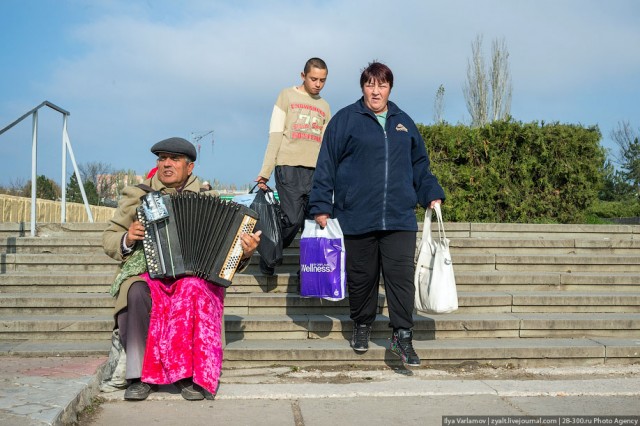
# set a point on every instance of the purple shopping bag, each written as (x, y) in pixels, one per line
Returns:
(322, 261)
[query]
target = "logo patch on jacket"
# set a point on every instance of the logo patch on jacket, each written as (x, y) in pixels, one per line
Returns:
(401, 128)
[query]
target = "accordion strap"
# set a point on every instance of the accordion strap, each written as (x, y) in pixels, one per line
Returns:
(147, 188)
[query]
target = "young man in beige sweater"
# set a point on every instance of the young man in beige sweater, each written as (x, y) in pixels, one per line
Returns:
(297, 125)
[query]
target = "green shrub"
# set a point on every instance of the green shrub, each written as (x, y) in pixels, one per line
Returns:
(612, 209)
(513, 172)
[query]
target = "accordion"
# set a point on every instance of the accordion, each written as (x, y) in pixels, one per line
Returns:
(193, 234)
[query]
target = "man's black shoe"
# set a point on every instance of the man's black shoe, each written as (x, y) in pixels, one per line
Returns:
(266, 270)
(194, 392)
(189, 391)
(139, 391)
(360, 339)
(402, 345)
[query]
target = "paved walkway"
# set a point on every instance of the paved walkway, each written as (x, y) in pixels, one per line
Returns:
(49, 391)
(46, 391)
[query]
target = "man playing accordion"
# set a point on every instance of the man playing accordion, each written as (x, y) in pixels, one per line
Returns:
(171, 329)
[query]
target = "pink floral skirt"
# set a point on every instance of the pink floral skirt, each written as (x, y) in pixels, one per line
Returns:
(184, 332)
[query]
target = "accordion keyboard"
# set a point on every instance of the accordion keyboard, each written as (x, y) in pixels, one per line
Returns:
(199, 235)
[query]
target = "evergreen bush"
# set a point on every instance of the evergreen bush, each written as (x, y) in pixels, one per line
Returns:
(510, 171)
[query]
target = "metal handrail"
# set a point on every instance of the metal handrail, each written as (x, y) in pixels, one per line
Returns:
(66, 144)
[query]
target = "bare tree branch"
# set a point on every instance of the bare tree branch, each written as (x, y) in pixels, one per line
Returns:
(438, 106)
(500, 81)
(94, 172)
(628, 155)
(481, 85)
(476, 87)
(623, 136)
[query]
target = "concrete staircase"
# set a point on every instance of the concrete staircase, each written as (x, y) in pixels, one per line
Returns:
(529, 295)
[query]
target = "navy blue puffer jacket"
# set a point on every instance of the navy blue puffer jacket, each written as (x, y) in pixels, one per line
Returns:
(371, 178)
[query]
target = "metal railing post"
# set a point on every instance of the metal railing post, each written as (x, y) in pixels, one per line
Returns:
(65, 136)
(63, 180)
(66, 144)
(34, 162)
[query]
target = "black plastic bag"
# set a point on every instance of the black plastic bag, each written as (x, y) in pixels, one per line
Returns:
(270, 247)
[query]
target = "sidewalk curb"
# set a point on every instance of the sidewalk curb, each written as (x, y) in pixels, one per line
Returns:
(412, 387)
(69, 414)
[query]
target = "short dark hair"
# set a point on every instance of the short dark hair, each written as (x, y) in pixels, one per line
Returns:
(376, 71)
(315, 63)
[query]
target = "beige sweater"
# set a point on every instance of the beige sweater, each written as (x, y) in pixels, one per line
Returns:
(295, 133)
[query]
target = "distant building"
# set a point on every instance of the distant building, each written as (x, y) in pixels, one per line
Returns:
(110, 185)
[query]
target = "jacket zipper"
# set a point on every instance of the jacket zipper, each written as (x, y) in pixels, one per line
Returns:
(386, 172)
(386, 179)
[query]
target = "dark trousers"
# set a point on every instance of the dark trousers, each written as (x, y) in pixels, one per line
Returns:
(367, 254)
(133, 322)
(293, 185)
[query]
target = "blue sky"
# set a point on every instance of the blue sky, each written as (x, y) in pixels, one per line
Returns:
(134, 72)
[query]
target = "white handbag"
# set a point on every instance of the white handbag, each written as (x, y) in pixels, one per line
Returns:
(434, 278)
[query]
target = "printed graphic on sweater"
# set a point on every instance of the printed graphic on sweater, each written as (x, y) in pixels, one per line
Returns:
(309, 122)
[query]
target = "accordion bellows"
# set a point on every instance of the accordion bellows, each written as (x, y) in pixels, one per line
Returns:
(194, 234)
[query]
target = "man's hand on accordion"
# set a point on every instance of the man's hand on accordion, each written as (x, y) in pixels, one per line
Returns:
(134, 233)
(249, 244)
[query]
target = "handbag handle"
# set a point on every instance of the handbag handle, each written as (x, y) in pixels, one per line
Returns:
(441, 233)
(269, 195)
(426, 227)
(256, 185)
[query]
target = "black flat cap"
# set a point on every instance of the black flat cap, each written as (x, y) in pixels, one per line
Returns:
(176, 146)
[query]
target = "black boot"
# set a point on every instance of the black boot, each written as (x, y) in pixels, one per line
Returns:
(360, 338)
(402, 345)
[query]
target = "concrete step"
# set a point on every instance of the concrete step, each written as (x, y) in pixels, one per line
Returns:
(483, 262)
(545, 301)
(99, 262)
(573, 302)
(14, 229)
(58, 262)
(542, 231)
(64, 244)
(499, 352)
(289, 303)
(541, 281)
(563, 263)
(453, 230)
(55, 245)
(524, 246)
(286, 281)
(469, 302)
(507, 325)
(56, 303)
(467, 281)
(83, 246)
(284, 304)
(55, 348)
(328, 326)
(45, 229)
(95, 327)
(56, 281)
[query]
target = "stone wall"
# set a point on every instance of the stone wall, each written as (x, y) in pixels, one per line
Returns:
(18, 209)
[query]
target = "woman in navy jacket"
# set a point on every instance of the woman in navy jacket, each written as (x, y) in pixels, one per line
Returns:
(372, 170)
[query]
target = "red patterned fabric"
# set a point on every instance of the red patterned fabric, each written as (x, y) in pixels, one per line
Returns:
(185, 332)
